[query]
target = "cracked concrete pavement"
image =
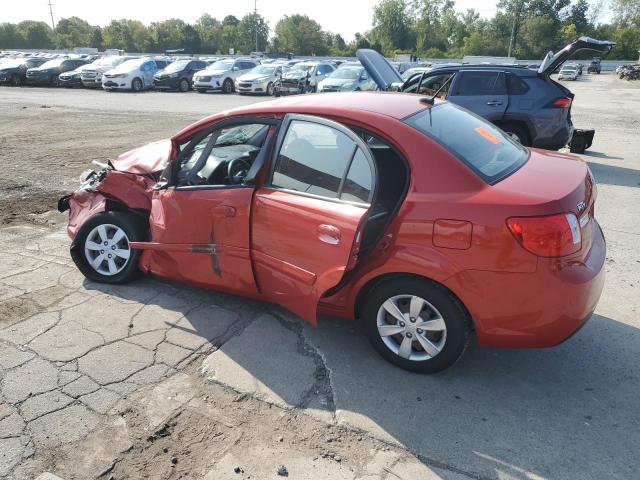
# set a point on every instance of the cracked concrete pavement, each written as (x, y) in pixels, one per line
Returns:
(160, 380)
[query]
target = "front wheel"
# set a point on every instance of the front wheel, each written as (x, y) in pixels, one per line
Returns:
(16, 80)
(227, 86)
(101, 249)
(416, 324)
(270, 89)
(136, 85)
(183, 86)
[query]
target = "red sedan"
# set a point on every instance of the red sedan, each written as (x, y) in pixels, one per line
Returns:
(425, 221)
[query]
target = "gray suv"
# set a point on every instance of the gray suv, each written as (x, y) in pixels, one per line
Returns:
(527, 104)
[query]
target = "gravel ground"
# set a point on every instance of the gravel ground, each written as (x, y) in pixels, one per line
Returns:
(160, 380)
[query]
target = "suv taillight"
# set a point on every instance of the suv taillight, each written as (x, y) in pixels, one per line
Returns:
(562, 102)
(548, 236)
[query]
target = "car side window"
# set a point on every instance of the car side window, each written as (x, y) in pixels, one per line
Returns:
(516, 86)
(208, 161)
(314, 158)
(480, 83)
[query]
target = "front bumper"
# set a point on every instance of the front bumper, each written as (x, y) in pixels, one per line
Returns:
(71, 82)
(94, 82)
(38, 80)
(533, 310)
(214, 84)
(251, 87)
(116, 83)
(166, 83)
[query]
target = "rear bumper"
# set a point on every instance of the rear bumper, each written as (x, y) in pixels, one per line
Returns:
(531, 310)
(557, 141)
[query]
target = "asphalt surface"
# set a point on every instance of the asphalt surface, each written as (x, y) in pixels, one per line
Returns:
(77, 358)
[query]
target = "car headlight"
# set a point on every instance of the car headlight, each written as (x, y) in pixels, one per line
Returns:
(119, 75)
(174, 75)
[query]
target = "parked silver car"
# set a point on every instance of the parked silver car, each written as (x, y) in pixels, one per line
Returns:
(348, 77)
(259, 80)
(303, 77)
(221, 75)
(91, 77)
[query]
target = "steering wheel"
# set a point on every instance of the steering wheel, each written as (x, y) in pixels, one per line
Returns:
(237, 169)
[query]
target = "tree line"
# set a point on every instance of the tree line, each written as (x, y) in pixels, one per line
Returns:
(425, 28)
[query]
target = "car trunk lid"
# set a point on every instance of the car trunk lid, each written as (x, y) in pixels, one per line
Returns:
(551, 183)
(554, 60)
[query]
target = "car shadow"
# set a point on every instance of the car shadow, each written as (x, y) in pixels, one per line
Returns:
(566, 412)
(614, 175)
(591, 153)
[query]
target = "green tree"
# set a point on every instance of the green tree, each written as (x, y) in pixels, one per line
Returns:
(392, 26)
(10, 36)
(35, 34)
(578, 16)
(210, 31)
(299, 34)
(73, 32)
(626, 12)
(247, 28)
(174, 33)
(128, 35)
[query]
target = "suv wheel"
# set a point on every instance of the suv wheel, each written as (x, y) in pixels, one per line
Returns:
(227, 86)
(518, 133)
(183, 86)
(136, 85)
(16, 80)
(416, 324)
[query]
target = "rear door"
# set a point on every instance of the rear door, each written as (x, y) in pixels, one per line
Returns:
(484, 92)
(306, 217)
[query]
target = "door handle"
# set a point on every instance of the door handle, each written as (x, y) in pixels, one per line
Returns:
(329, 234)
(225, 211)
(494, 103)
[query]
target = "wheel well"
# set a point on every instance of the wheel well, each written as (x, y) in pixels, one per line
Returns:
(374, 282)
(519, 123)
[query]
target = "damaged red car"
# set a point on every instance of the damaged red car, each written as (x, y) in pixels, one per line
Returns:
(421, 219)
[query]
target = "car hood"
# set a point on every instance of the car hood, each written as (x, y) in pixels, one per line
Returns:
(379, 68)
(554, 60)
(149, 158)
(339, 82)
(212, 73)
(252, 76)
(295, 74)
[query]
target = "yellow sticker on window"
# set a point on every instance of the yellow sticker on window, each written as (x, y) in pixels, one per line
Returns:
(483, 132)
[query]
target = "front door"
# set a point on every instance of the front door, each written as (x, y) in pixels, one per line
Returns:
(200, 223)
(307, 217)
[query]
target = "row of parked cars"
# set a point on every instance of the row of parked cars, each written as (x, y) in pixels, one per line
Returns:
(244, 75)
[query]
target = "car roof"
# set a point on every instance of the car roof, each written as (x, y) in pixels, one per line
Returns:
(521, 70)
(344, 104)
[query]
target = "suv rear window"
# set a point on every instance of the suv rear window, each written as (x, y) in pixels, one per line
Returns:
(487, 150)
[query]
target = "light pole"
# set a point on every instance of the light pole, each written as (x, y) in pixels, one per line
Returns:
(255, 20)
(53, 24)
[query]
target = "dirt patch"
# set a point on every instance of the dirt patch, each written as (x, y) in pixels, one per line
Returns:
(45, 150)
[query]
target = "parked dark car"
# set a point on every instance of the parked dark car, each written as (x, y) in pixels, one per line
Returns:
(48, 73)
(178, 75)
(73, 78)
(527, 104)
(594, 66)
(14, 72)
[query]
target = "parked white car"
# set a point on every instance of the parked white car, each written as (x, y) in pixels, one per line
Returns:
(259, 80)
(136, 75)
(91, 77)
(568, 72)
(221, 75)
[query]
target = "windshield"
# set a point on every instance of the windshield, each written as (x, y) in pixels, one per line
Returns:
(301, 68)
(52, 63)
(264, 69)
(11, 64)
(221, 65)
(347, 73)
(109, 61)
(177, 66)
(487, 150)
(412, 71)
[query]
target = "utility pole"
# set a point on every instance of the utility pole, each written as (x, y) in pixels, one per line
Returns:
(255, 20)
(512, 40)
(53, 24)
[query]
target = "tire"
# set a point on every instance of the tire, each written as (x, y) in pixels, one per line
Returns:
(136, 85)
(201, 90)
(518, 132)
(16, 80)
(447, 335)
(54, 81)
(227, 86)
(123, 265)
(270, 89)
(183, 85)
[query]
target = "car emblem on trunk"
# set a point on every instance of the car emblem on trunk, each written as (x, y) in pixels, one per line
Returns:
(581, 206)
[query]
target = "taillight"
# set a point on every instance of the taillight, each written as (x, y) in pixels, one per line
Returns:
(562, 102)
(548, 236)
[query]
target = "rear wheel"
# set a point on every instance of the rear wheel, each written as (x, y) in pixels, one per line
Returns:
(101, 248)
(183, 86)
(136, 85)
(416, 324)
(518, 133)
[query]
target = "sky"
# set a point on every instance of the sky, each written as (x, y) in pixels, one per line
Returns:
(345, 17)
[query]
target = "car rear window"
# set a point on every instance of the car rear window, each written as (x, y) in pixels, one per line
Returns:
(486, 149)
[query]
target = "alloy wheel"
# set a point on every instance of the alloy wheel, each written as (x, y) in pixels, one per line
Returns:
(107, 249)
(411, 327)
